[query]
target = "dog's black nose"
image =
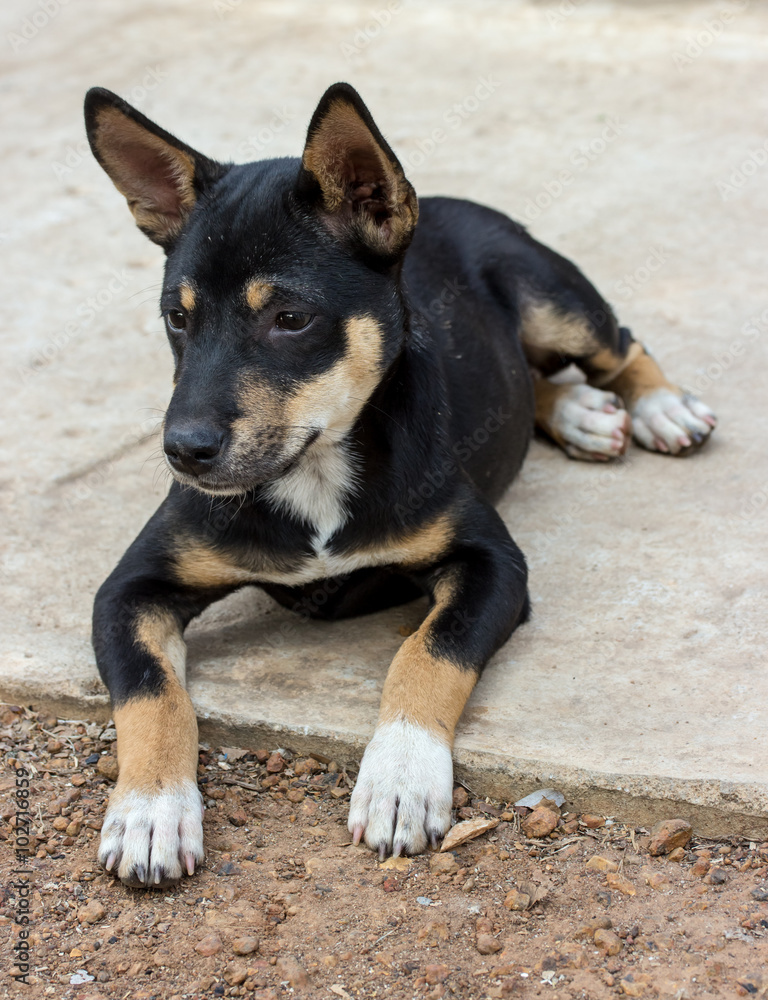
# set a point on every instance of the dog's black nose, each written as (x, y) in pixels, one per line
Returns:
(193, 448)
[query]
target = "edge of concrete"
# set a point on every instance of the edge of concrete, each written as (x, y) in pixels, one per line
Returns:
(713, 807)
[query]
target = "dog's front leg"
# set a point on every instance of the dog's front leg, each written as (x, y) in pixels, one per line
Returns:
(403, 795)
(153, 830)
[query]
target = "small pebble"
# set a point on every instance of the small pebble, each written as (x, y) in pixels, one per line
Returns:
(668, 835)
(540, 823)
(592, 822)
(92, 912)
(245, 945)
(210, 945)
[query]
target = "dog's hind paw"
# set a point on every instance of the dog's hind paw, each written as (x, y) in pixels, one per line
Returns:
(149, 839)
(590, 424)
(402, 799)
(674, 423)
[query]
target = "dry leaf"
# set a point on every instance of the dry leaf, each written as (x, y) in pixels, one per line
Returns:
(543, 797)
(340, 991)
(234, 753)
(468, 830)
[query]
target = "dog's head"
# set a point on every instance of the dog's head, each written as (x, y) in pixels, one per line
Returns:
(281, 297)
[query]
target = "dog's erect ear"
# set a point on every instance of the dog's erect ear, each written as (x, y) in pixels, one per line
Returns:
(354, 177)
(160, 177)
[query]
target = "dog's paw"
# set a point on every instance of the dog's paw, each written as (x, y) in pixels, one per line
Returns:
(592, 425)
(403, 795)
(674, 423)
(150, 839)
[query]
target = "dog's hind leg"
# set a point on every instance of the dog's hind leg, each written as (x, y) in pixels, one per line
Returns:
(590, 421)
(665, 418)
(587, 423)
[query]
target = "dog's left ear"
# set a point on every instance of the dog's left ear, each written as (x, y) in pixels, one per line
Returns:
(354, 178)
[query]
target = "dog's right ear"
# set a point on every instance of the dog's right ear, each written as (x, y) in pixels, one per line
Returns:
(354, 180)
(160, 177)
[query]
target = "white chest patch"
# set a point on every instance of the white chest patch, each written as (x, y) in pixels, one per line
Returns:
(316, 490)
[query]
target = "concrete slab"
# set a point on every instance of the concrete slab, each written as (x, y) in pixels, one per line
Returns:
(630, 138)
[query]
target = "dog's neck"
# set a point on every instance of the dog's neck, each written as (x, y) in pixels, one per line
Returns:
(316, 489)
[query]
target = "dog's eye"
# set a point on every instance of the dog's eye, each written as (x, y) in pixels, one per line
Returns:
(176, 320)
(293, 321)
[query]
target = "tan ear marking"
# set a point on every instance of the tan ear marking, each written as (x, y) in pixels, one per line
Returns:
(343, 131)
(364, 189)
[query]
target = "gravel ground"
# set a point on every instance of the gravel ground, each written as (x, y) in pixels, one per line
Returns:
(545, 903)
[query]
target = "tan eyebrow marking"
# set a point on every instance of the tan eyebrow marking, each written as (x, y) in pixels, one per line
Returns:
(258, 293)
(187, 296)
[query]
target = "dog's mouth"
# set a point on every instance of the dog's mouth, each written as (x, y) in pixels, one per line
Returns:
(224, 485)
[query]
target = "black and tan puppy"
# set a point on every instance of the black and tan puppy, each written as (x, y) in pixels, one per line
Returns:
(356, 436)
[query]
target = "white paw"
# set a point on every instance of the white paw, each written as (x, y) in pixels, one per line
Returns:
(150, 838)
(671, 422)
(594, 424)
(403, 796)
